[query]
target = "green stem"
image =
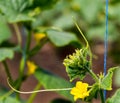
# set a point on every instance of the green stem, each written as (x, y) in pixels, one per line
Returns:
(17, 33)
(28, 42)
(90, 57)
(102, 96)
(93, 74)
(21, 71)
(7, 71)
(31, 98)
(24, 56)
(23, 61)
(87, 44)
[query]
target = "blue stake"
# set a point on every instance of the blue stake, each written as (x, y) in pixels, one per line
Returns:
(106, 44)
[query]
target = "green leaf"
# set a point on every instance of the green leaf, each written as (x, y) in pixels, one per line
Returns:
(23, 10)
(4, 30)
(75, 73)
(61, 21)
(114, 2)
(92, 9)
(7, 96)
(61, 38)
(115, 98)
(117, 77)
(9, 100)
(113, 11)
(98, 32)
(3, 90)
(106, 82)
(15, 10)
(93, 92)
(51, 81)
(6, 53)
(44, 3)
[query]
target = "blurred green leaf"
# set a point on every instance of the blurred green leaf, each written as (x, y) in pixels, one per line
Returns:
(9, 100)
(5, 33)
(117, 77)
(115, 98)
(96, 32)
(114, 1)
(61, 38)
(44, 3)
(51, 81)
(2, 90)
(61, 20)
(113, 11)
(6, 53)
(14, 10)
(23, 10)
(90, 9)
(93, 92)
(106, 82)
(99, 31)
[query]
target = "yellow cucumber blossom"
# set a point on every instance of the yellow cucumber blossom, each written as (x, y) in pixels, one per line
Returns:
(80, 91)
(39, 36)
(31, 67)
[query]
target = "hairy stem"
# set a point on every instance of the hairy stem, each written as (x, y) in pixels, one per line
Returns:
(93, 75)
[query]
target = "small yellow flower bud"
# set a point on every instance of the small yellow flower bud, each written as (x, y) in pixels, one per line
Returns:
(31, 67)
(39, 36)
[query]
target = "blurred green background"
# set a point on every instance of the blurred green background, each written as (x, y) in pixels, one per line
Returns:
(58, 14)
(90, 16)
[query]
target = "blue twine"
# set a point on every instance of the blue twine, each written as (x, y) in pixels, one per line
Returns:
(106, 44)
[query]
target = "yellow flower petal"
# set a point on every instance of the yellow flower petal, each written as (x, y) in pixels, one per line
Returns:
(39, 36)
(80, 91)
(31, 67)
(75, 98)
(74, 91)
(81, 86)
